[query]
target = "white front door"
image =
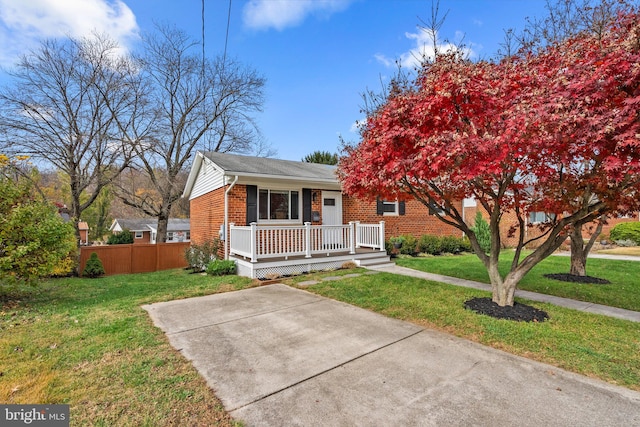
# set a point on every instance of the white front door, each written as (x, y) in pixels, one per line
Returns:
(332, 215)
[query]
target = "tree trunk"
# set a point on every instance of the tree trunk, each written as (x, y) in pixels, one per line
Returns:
(580, 251)
(503, 290)
(163, 220)
(578, 256)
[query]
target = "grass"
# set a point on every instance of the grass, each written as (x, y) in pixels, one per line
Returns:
(87, 343)
(623, 292)
(588, 344)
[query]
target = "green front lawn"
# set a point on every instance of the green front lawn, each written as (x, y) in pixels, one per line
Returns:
(87, 343)
(589, 344)
(623, 292)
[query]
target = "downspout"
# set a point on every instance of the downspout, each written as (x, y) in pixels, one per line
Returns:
(226, 217)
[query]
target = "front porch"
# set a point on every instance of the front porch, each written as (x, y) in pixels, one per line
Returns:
(272, 251)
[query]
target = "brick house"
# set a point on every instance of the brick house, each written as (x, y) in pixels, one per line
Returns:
(289, 203)
(509, 220)
(144, 230)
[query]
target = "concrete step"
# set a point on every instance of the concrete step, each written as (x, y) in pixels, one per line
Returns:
(374, 261)
(378, 266)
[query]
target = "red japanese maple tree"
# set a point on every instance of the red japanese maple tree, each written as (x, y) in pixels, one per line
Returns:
(556, 131)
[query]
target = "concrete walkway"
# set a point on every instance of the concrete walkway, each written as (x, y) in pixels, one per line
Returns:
(605, 256)
(279, 356)
(619, 313)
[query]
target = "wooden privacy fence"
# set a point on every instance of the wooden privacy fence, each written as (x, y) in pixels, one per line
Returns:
(138, 258)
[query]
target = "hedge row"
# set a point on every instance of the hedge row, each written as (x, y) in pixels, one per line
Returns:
(433, 245)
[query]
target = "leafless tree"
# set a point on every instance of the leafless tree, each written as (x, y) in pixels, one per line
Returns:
(196, 104)
(567, 18)
(61, 109)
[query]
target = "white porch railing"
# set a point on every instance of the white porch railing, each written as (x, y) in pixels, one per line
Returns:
(259, 242)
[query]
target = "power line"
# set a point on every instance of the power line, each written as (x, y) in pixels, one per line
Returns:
(226, 38)
(202, 38)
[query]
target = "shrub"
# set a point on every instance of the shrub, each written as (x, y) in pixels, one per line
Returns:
(430, 245)
(451, 245)
(483, 233)
(625, 232)
(34, 238)
(199, 256)
(220, 267)
(409, 245)
(125, 237)
(94, 267)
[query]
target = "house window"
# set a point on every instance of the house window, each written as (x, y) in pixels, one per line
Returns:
(538, 217)
(278, 205)
(188, 235)
(170, 236)
(389, 208)
(138, 235)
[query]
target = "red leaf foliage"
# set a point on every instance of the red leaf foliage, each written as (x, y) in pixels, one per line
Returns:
(557, 131)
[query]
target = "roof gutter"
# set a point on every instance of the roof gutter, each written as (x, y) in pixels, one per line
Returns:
(226, 217)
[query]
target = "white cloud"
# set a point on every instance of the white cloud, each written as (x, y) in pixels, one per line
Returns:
(280, 14)
(423, 49)
(24, 23)
(357, 125)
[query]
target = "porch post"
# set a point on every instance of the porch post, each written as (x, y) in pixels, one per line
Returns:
(307, 238)
(352, 236)
(254, 242)
(382, 248)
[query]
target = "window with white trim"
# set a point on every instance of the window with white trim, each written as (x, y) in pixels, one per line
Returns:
(170, 236)
(278, 204)
(390, 208)
(138, 235)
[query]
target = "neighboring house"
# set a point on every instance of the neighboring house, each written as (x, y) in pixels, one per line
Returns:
(84, 233)
(297, 210)
(509, 222)
(145, 230)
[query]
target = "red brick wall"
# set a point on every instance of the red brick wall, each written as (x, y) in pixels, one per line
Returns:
(416, 221)
(207, 214)
(509, 219)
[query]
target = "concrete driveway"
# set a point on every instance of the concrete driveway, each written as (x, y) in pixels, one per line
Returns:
(278, 356)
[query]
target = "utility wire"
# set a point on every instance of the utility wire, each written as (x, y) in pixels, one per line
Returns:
(226, 38)
(202, 38)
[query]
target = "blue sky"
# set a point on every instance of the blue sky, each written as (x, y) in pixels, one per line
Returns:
(318, 56)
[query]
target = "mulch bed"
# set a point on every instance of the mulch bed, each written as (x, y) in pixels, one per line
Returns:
(566, 277)
(518, 312)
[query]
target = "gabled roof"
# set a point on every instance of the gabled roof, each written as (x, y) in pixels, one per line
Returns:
(234, 164)
(149, 224)
(259, 168)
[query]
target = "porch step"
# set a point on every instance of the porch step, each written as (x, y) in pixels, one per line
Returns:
(377, 262)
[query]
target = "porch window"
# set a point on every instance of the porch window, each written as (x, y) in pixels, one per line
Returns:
(278, 205)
